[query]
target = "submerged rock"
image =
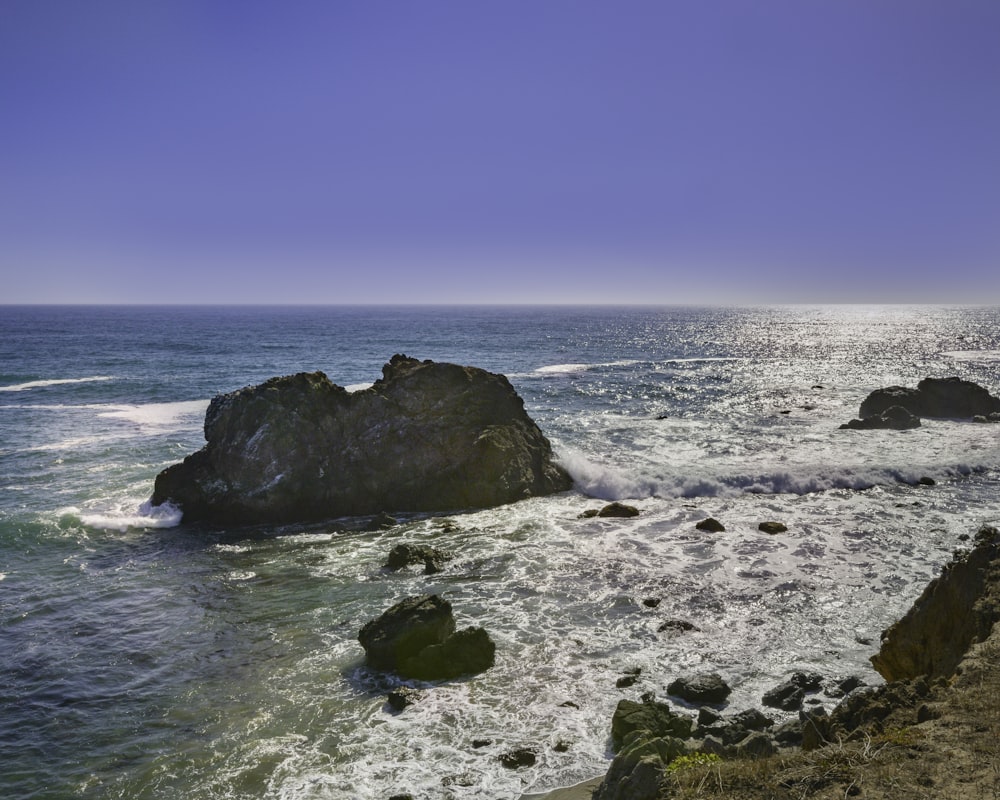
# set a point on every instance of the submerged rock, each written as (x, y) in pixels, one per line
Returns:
(426, 436)
(416, 638)
(934, 397)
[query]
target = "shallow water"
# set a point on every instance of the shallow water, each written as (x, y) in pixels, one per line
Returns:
(143, 658)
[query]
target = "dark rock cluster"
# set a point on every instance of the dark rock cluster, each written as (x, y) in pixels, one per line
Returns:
(900, 407)
(425, 437)
(416, 638)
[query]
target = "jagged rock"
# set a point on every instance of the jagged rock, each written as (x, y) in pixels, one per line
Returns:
(787, 696)
(954, 611)
(425, 437)
(617, 509)
(934, 397)
(638, 769)
(895, 418)
(416, 638)
(772, 527)
(704, 688)
(402, 555)
(711, 524)
(652, 718)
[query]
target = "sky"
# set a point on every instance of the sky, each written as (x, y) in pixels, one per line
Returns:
(481, 151)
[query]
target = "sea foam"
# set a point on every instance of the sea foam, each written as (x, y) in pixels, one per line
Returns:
(23, 387)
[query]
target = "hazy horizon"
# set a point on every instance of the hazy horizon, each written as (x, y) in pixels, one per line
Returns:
(517, 153)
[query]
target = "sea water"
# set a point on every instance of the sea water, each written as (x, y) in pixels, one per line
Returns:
(141, 657)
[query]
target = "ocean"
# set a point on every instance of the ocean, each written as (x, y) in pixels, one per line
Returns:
(141, 657)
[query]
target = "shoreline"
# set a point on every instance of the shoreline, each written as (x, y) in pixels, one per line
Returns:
(577, 791)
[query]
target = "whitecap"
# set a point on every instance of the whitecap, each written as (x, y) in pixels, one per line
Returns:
(972, 355)
(157, 415)
(146, 516)
(23, 387)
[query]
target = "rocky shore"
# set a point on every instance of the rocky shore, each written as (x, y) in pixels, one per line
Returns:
(931, 731)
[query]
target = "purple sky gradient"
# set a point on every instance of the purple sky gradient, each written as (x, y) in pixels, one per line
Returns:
(543, 151)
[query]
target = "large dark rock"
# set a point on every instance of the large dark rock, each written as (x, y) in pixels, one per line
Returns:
(894, 418)
(425, 437)
(703, 688)
(934, 397)
(416, 638)
(954, 611)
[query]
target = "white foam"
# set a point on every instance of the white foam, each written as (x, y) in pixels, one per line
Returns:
(562, 369)
(157, 415)
(973, 355)
(23, 387)
(604, 482)
(358, 387)
(567, 369)
(146, 516)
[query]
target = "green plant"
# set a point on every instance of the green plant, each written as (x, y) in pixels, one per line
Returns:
(692, 760)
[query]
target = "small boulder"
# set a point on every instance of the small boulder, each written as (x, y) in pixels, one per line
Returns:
(617, 509)
(402, 555)
(711, 525)
(772, 527)
(704, 688)
(519, 758)
(787, 697)
(416, 638)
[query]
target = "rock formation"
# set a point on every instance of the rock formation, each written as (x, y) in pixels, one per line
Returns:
(955, 610)
(934, 397)
(416, 638)
(425, 437)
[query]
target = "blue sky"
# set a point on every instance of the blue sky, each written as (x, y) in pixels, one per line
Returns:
(545, 151)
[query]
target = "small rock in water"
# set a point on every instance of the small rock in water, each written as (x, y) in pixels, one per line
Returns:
(772, 527)
(522, 757)
(926, 481)
(478, 743)
(381, 521)
(677, 626)
(703, 688)
(617, 509)
(712, 525)
(403, 697)
(651, 602)
(402, 555)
